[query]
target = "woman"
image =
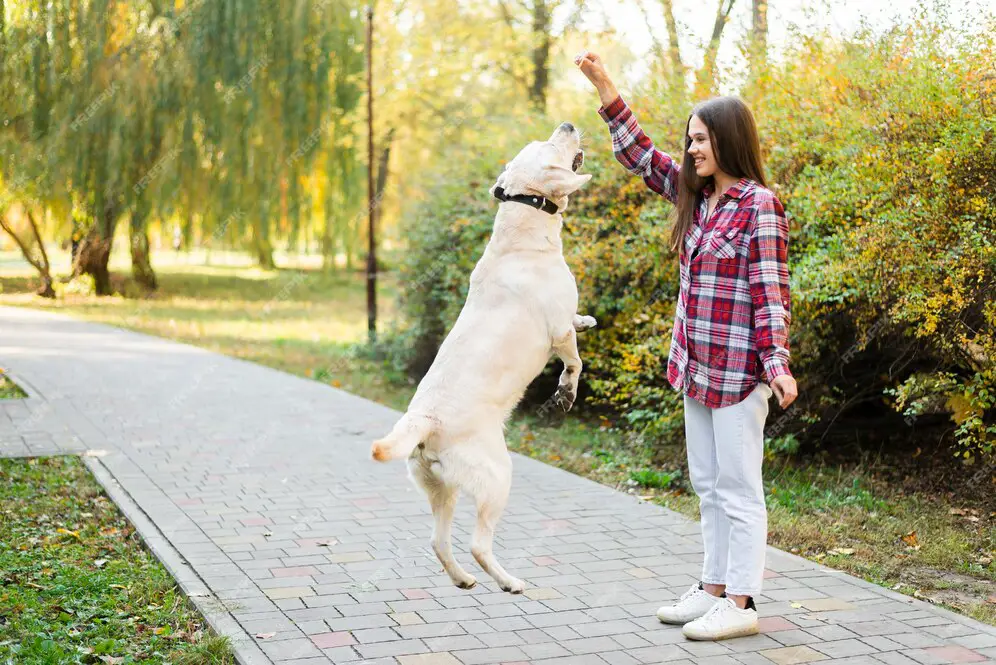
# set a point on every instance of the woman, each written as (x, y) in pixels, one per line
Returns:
(730, 336)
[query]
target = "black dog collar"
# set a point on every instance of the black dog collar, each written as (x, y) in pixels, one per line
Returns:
(538, 202)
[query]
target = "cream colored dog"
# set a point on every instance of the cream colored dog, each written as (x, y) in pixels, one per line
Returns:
(521, 307)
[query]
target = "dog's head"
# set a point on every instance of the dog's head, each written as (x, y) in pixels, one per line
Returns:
(547, 168)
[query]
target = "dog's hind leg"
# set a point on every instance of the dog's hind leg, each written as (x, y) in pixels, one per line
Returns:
(492, 497)
(566, 348)
(423, 467)
(443, 502)
(583, 322)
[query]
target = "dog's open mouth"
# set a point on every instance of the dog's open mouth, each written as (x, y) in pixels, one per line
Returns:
(578, 161)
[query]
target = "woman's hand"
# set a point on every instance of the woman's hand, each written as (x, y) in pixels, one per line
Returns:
(591, 66)
(785, 390)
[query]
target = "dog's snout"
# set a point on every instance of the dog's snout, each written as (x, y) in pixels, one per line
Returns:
(567, 127)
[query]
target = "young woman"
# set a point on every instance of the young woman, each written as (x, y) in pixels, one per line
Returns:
(730, 336)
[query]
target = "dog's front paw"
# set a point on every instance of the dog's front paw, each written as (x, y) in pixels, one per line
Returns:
(582, 323)
(468, 582)
(564, 397)
(513, 585)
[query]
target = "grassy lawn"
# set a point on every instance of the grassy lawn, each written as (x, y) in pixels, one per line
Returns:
(76, 583)
(9, 389)
(852, 516)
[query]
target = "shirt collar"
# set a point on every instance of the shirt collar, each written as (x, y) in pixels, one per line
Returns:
(735, 191)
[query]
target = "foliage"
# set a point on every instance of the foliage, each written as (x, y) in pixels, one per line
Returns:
(77, 582)
(9, 389)
(229, 119)
(882, 149)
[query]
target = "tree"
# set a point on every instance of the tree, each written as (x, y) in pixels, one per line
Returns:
(759, 36)
(705, 79)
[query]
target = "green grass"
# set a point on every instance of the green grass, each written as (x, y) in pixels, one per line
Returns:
(843, 515)
(9, 389)
(77, 584)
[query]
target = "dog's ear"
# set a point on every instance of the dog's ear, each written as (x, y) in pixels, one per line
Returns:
(561, 181)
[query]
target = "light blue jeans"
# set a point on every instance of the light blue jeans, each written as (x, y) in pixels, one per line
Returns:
(725, 449)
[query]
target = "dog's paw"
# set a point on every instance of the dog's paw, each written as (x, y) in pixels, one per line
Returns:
(582, 323)
(513, 585)
(468, 583)
(564, 397)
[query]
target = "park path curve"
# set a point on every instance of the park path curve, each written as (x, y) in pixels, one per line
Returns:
(253, 486)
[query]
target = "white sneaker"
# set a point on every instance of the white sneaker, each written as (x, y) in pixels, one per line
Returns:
(693, 603)
(722, 621)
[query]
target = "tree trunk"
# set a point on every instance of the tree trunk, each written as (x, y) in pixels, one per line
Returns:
(759, 37)
(141, 264)
(541, 55)
(674, 52)
(261, 245)
(706, 79)
(92, 259)
(95, 251)
(40, 262)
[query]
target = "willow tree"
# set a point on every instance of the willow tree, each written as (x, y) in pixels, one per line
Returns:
(213, 115)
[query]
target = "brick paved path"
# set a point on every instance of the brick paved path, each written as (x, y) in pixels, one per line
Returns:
(254, 487)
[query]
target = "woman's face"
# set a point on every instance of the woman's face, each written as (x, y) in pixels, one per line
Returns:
(701, 149)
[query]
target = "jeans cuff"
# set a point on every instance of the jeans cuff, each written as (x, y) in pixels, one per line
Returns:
(733, 592)
(706, 580)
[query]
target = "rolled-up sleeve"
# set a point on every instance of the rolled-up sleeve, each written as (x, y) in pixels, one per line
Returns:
(769, 286)
(635, 151)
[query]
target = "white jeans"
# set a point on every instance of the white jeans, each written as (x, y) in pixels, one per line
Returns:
(725, 448)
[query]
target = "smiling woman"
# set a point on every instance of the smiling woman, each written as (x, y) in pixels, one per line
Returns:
(729, 341)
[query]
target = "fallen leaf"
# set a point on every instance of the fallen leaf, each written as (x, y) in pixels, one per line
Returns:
(99, 562)
(163, 630)
(336, 383)
(264, 636)
(35, 586)
(991, 599)
(67, 532)
(957, 511)
(971, 518)
(796, 606)
(911, 540)
(112, 660)
(118, 586)
(917, 453)
(843, 551)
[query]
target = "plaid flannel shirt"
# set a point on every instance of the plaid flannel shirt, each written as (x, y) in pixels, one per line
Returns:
(732, 316)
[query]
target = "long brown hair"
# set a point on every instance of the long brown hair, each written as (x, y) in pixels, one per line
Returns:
(733, 137)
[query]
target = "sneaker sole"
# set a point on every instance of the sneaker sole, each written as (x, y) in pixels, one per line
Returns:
(743, 632)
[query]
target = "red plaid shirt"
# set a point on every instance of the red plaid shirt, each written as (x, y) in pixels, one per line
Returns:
(732, 317)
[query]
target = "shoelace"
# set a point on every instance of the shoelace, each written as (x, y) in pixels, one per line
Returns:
(723, 605)
(688, 594)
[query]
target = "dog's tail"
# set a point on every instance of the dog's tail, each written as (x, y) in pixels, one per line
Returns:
(408, 432)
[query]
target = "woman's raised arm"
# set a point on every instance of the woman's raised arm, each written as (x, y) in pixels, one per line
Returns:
(631, 146)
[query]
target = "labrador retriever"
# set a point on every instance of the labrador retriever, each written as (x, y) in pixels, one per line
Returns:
(521, 307)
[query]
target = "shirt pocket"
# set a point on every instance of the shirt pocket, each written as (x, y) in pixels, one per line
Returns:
(731, 239)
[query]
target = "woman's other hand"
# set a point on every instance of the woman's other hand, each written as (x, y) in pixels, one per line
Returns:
(785, 390)
(591, 66)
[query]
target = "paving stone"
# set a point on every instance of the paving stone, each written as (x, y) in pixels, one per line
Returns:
(429, 659)
(793, 655)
